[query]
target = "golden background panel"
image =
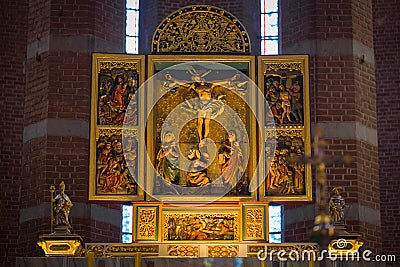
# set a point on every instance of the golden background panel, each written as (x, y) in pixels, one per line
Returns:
(189, 137)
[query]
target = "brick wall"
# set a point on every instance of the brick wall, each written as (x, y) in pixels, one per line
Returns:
(167, 7)
(386, 24)
(12, 85)
(338, 37)
(61, 37)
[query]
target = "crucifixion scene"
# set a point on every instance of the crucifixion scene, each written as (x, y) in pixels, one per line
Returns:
(190, 92)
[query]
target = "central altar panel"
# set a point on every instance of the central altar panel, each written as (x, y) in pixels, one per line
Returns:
(202, 127)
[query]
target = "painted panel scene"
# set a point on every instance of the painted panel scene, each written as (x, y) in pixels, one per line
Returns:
(286, 176)
(284, 95)
(113, 177)
(188, 226)
(206, 156)
(116, 89)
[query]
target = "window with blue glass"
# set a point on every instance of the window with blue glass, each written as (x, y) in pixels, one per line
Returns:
(127, 223)
(269, 27)
(275, 223)
(270, 46)
(132, 27)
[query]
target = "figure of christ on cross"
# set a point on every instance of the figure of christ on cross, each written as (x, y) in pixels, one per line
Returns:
(204, 105)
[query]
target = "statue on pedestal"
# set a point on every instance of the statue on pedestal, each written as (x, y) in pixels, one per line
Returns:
(61, 209)
(344, 241)
(61, 242)
(337, 205)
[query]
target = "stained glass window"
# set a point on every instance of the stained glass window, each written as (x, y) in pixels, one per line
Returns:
(132, 27)
(270, 46)
(127, 223)
(275, 223)
(269, 27)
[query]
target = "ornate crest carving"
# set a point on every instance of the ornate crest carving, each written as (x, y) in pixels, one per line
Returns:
(255, 219)
(201, 28)
(147, 224)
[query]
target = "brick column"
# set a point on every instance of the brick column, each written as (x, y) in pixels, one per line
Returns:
(339, 39)
(153, 12)
(13, 30)
(386, 39)
(61, 37)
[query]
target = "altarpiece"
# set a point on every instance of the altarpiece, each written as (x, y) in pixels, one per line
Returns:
(200, 142)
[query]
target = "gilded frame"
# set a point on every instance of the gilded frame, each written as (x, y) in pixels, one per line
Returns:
(213, 213)
(156, 63)
(255, 221)
(292, 129)
(115, 79)
(147, 221)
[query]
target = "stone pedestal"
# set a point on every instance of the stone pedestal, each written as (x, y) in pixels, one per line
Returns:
(61, 244)
(345, 243)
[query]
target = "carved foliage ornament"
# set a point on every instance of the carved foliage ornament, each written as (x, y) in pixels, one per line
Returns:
(147, 218)
(201, 28)
(147, 224)
(184, 251)
(290, 66)
(109, 65)
(223, 251)
(255, 223)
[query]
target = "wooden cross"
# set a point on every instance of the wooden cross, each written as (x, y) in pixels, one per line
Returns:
(323, 230)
